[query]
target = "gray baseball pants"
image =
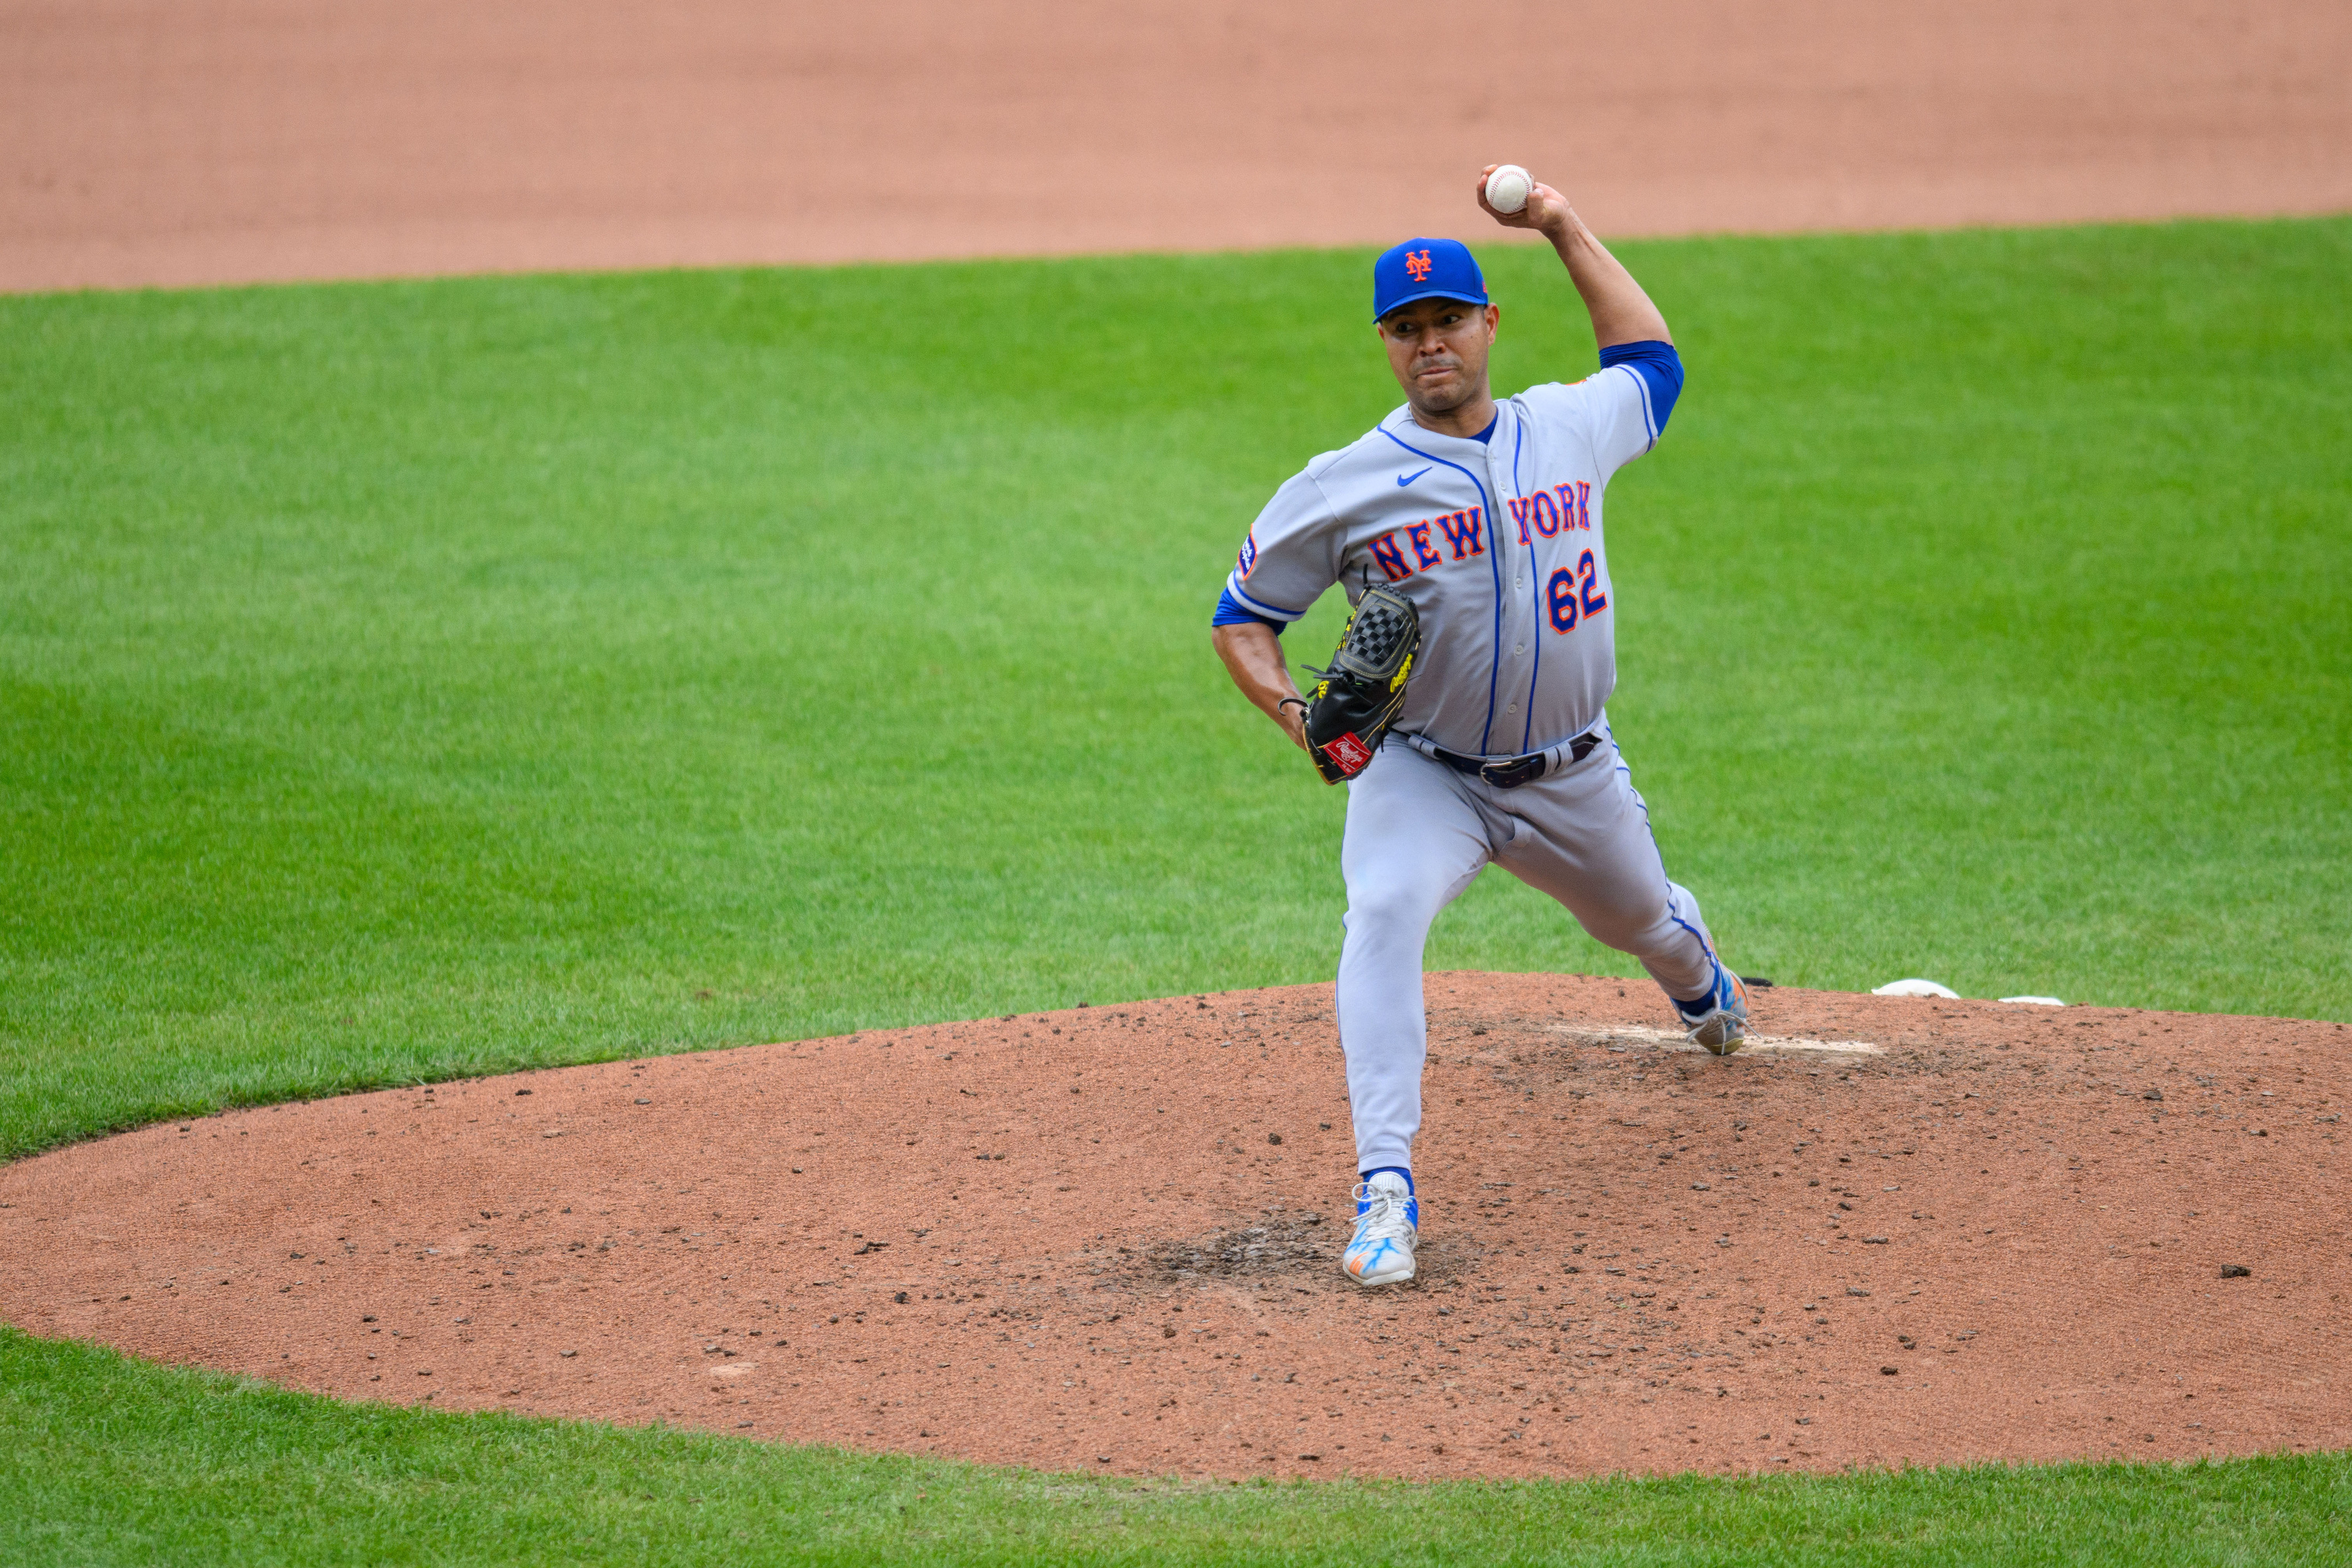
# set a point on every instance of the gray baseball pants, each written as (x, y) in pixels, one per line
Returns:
(1417, 833)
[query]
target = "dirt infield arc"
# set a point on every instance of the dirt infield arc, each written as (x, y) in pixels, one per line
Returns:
(147, 141)
(1103, 1239)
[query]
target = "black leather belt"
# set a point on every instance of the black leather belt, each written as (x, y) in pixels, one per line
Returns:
(1518, 769)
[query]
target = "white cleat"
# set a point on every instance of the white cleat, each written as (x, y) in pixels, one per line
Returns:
(1388, 1223)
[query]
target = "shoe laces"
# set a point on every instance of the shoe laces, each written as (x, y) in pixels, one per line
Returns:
(1385, 1215)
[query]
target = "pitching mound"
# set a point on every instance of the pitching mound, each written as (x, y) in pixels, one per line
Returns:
(1899, 1231)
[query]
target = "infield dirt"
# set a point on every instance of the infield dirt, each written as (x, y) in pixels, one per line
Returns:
(151, 141)
(1900, 1231)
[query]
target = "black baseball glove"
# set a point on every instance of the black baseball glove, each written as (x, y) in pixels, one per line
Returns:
(1358, 697)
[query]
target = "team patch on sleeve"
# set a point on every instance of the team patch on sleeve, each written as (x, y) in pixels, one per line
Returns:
(1248, 557)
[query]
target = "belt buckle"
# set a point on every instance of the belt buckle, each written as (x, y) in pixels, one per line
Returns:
(1514, 773)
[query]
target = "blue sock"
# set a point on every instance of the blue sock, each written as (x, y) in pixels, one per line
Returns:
(1692, 1009)
(1392, 1170)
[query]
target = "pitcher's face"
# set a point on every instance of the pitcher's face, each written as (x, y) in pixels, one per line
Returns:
(1438, 349)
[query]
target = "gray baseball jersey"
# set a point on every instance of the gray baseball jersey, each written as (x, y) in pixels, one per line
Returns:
(1498, 542)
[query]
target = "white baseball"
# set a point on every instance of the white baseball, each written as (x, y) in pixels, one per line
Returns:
(1507, 188)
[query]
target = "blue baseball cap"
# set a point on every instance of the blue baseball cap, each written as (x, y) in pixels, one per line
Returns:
(1426, 269)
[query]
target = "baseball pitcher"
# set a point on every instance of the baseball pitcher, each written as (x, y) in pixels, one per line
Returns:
(1466, 706)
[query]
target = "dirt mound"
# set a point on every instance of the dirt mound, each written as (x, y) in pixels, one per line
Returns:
(1899, 1231)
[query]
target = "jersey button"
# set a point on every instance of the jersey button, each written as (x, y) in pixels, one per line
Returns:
(1519, 649)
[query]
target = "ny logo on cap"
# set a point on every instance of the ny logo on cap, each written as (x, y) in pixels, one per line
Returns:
(1417, 263)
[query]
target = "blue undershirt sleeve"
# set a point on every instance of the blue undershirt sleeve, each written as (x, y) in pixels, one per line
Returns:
(1231, 611)
(1658, 366)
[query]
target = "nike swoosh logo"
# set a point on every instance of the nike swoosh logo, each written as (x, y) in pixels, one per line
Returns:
(1405, 480)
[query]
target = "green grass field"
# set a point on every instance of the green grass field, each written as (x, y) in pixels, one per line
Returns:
(118, 1462)
(406, 681)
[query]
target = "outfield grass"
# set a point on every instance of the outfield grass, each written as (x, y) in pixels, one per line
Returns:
(128, 1463)
(403, 680)
(408, 679)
